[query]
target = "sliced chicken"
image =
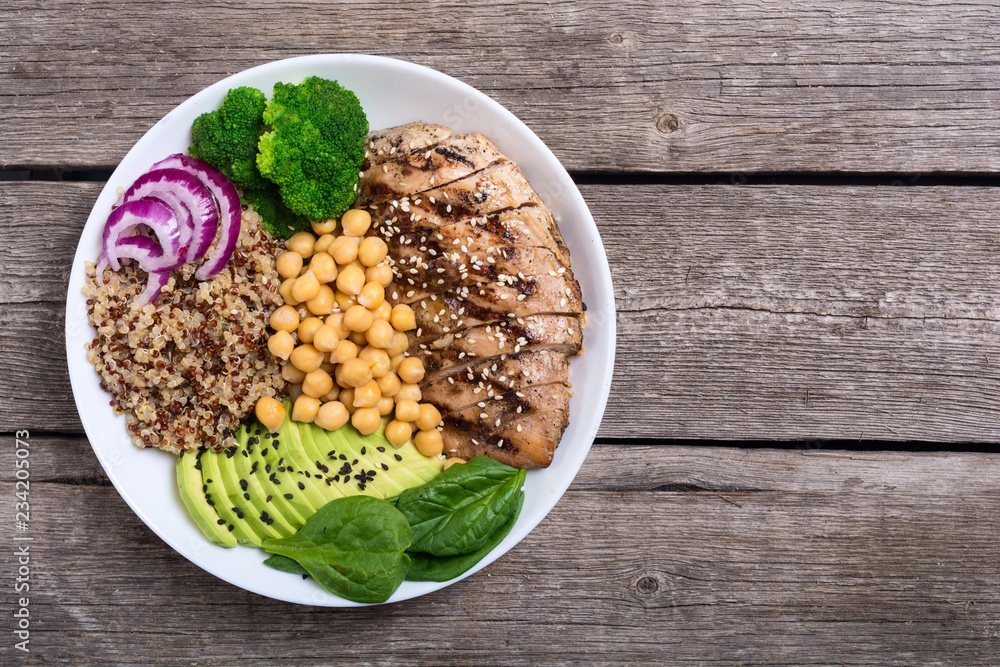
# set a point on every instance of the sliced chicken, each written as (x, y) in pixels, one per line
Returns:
(491, 379)
(527, 226)
(412, 173)
(479, 258)
(455, 351)
(519, 430)
(383, 145)
(465, 306)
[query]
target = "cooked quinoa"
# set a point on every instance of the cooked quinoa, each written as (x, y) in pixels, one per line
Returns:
(188, 367)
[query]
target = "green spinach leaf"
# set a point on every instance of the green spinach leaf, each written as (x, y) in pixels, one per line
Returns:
(424, 567)
(458, 512)
(353, 547)
(285, 564)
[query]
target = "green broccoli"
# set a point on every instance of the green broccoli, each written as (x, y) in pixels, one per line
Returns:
(227, 138)
(314, 147)
(276, 218)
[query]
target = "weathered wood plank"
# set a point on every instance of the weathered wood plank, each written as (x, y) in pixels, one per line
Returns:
(768, 557)
(644, 85)
(744, 312)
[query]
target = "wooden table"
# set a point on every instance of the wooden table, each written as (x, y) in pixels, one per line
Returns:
(799, 204)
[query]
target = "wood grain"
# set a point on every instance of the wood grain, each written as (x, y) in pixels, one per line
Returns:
(743, 312)
(688, 86)
(701, 556)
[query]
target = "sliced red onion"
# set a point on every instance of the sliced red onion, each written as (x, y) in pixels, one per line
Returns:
(150, 212)
(148, 253)
(186, 195)
(156, 281)
(230, 212)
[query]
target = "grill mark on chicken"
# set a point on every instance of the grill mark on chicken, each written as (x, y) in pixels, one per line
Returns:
(543, 414)
(455, 351)
(380, 144)
(481, 382)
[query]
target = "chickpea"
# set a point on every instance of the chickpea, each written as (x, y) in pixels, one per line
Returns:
(407, 410)
(284, 318)
(452, 461)
(302, 243)
(292, 374)
(400, 344)
(366, 420)
(358, 318)
(380, 273)
(398, 433)
(332, 415)
(305, 287)
(285, 290)
(281, 344)
(385, 406)
(308, 328)
(323, 267)
(345, 351)
(323, 243)
(396, 360)
(326, 365)
(331, 395)
(323, 302)
(376, 359)
(350, 280)
(372, 250)
(429, 443)
(408, 392)
(319, 383)
(383, 312)
(336, 320)
(355, 222)
(388, 384)
(353, 373)
(372, 296)
(402, 318)
(429, 416)
(294, 391)
(321, 227)
(288, 264)
(380, 334)
(345, 249)
(411, 370)
(306, 358)
(347, 400)
(325, 338)
(367, 395)
(270, 412)
(358, 338)
(305, 408)
(344, 301)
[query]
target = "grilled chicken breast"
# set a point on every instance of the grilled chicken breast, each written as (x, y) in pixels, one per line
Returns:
(479, 258)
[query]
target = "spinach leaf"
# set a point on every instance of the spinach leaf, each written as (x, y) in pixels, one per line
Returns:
(424, 567)
(457, 513)
(285, 564)
(353, 547)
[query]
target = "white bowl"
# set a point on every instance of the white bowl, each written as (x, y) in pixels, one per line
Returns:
(392, 92)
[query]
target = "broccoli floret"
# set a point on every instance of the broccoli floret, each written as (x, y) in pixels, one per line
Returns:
(314, 147)
(276, 218)
(227, 138)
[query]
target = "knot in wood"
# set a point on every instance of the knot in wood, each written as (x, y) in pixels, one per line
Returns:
(616, 38)
(668, 122)
(647, 585)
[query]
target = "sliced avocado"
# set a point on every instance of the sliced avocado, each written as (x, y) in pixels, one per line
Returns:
(260, 519)
(216, 487)
(350, 484)
(286, 520)
(274, 481)
(309, 479)
(190, 484)
(369, 476)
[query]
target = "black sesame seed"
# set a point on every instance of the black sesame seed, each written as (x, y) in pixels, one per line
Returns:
(267, 467)
(209, 480)
(230, 528)
(354, 462)
(302, 487)
(243, 484)
(342, 457)
(363, 451)
(331, 454)
(221, 522)
(288, 496)
(385, 467)
(263, 452)
(204, 488)
(270, 521)
(276, 441)
(245, 454)
(268, 499)
(246, 496)
(209, 501)
(264, 517)
(398, 457)
(253, 468)
(381, 449)
(281, 468)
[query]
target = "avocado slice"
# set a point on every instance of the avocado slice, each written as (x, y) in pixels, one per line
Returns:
(285, 519)
(309, 479)
(371, 464)
(191, 486)
(259, 519)
(220, 496)
(271, 472)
